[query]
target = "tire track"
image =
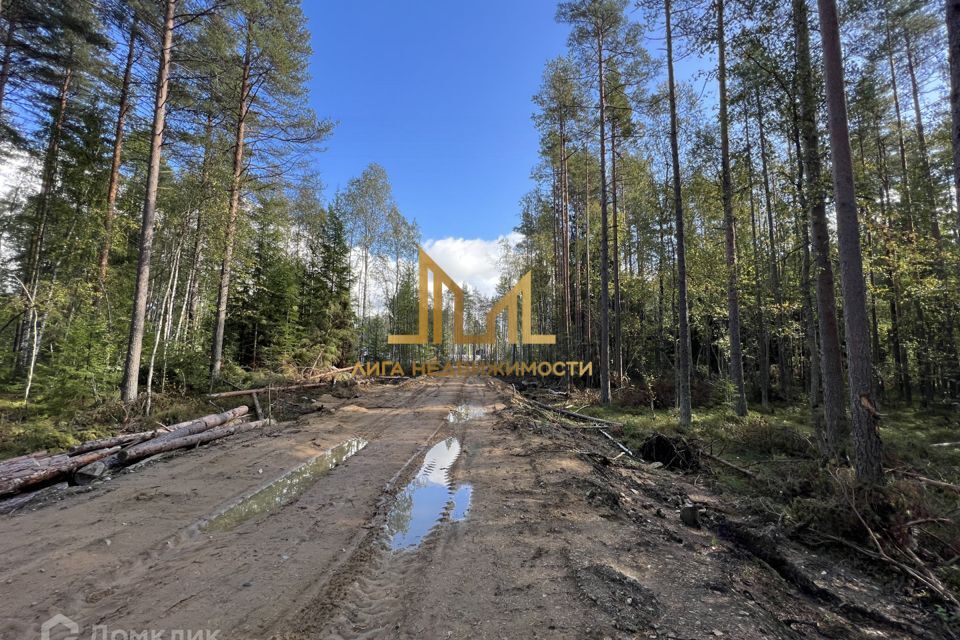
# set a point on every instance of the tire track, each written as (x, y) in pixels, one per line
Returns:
(368, 598)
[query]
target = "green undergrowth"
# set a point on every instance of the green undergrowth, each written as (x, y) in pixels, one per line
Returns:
(55, 420)
(791, 486)
(784, 433)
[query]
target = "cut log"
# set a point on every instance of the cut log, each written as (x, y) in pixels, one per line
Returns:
(160, 446)
(181, 428)
(295, 387)
(20, 466)
(128, 456)
(51, 471)
(105, 443)
(142, 450)
(19, 501)
(29, 456)
(200, 424)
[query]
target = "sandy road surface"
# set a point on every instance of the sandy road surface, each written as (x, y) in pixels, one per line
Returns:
(453, 521)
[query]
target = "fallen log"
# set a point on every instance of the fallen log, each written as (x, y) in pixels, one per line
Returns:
(105, 443)
(51, 471)
(730, 465)
(29, 464)
(16, 502)
(617, 442)
(181, 428)
(574, 414)
(144, 449)
(931, 482)
(200, 424)
(160, 446)
(100, 468)
(295, 387)
(29, 456)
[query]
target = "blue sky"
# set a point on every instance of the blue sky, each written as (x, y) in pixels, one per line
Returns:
(439, 94)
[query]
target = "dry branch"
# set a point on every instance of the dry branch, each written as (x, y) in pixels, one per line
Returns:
(573, 414)
(930, 481)
(738, 469)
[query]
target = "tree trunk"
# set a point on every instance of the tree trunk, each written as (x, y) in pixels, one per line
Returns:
(901, 146)
(114, 182)
(604, 240)
(771, 239)
(924, 157)
(901, 365)
(7, 61)
(131, 372)
(192, 302)
(49, 472)
(868, 449)
(617, 324)
(565, 240)
(216, 359)
(683, 342)
(763, 338)
(588, 297)
(733, 299)
(35, 253)
(953, 35)
(831, 369)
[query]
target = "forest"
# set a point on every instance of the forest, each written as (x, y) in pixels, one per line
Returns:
(162, 224)
(780, 229)
(767, 244)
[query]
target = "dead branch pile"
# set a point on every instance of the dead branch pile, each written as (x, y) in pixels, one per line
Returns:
(675, 453)
(97, 458)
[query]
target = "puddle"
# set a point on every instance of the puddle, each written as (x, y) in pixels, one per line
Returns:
(428, 498)
(466, 412)
(284, 489)
(461, 503)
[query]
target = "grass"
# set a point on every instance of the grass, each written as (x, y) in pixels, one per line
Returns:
(907, 433)
(793, 487)
(56, 420)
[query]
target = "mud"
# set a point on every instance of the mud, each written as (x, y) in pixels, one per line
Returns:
(520, 529)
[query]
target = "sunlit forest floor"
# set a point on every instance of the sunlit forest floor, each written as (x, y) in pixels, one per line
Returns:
(793, 488)
(777, 477)
(783, 435)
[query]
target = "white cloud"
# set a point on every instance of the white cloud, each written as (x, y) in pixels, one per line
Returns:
(475, 262)
(471, 261)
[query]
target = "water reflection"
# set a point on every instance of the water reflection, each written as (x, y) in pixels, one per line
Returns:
(286, 488)
(466, 412)
(428, 498)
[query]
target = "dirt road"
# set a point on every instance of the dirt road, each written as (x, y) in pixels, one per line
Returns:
(424, 510)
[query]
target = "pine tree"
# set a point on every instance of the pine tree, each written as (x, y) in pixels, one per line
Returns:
(868, 450)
